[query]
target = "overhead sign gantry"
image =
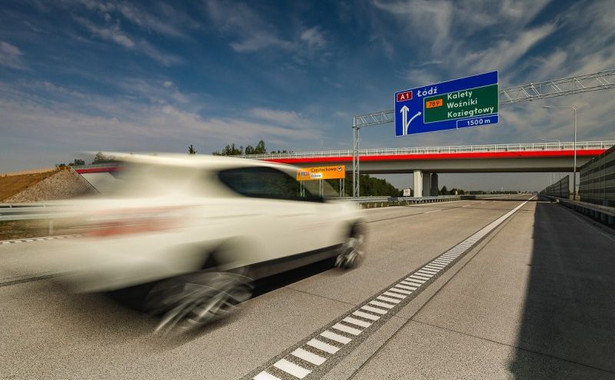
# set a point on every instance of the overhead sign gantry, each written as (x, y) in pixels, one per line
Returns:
(459, 103)
(577, 84)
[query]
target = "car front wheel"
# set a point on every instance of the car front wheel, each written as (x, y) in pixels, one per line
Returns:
(190, 301)
(351, 252)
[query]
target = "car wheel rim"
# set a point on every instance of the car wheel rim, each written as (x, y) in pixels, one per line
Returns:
(351, 252)
(191, 302)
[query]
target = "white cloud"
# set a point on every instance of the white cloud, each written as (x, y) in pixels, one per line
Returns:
(79, 121)
(168, 23)
(148, 21)
(314, 38)
(552, 66)
(257, 42)
(11, 56)
(114, 34)
(505, 54)
(428, 20)
(467, 36)
(251, 32)
(286, 118)
(154, 53)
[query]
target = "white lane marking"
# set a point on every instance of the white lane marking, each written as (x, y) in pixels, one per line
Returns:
(437, 267)
(382, 304)
(425, 272)
(421, 276)
(322, 346)
(366, 315)
(356, 322)
(16, 241)
(374, 309)
(346, 329)
(388, 299)
(265, 376)
(441, 261)
(292, 368)
(398, 289)
(308, 356)
(429, 212)
(406, 287)
(417, 283)
(413, 280)
(335, 337)
(394, 295)
(428, 272)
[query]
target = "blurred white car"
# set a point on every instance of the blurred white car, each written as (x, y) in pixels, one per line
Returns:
(185, 236)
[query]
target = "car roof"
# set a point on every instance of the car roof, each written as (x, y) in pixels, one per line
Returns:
(202, 161)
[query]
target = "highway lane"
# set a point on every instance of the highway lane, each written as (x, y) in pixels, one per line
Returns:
(49, 333)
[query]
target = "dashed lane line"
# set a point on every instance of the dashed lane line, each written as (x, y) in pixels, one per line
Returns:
(316, 354)
(29, 240)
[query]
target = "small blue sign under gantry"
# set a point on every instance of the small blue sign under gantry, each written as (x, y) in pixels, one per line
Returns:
(459, 103)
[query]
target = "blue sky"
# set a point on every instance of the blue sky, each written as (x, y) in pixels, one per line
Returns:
(85, 75)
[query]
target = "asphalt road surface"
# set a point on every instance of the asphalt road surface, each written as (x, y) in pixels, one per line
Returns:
(461, 290)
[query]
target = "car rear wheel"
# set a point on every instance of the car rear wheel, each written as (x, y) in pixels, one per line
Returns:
(351, 252)
(191, 301)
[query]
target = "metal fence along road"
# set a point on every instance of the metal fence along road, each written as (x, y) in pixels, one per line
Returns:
(521, 147)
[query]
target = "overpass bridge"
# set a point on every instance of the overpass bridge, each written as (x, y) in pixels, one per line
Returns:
(426, 162)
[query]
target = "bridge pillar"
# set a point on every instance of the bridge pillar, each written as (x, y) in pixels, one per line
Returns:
(418, 183)
(434, 185)
(426, 184)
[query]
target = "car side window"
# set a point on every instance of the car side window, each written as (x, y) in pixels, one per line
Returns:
(263, 182)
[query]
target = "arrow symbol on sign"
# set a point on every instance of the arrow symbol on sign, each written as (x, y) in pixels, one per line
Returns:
(404, 119)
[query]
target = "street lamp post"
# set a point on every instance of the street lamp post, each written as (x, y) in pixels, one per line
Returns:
(574, 164)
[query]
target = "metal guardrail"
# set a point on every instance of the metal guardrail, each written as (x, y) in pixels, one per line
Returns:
(603, 214)
(13, 212)
(25, 211)
(525, 147)
(384, 201)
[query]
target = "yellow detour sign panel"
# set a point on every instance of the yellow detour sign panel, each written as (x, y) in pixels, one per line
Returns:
(321, 172)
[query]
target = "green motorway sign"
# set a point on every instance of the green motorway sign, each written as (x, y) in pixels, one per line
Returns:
(462, 104)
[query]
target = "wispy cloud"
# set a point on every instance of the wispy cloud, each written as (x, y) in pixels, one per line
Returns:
(167, 22)
(111, 33)
(505, 54)
(115, 34)
(430, 20)
(93, 121)
(11, 56)
(252, 32)
(466, 37)
(314, 38)
(292, 120)
(249, 31)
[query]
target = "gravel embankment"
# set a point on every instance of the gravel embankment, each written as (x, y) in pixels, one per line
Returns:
(62, 185)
